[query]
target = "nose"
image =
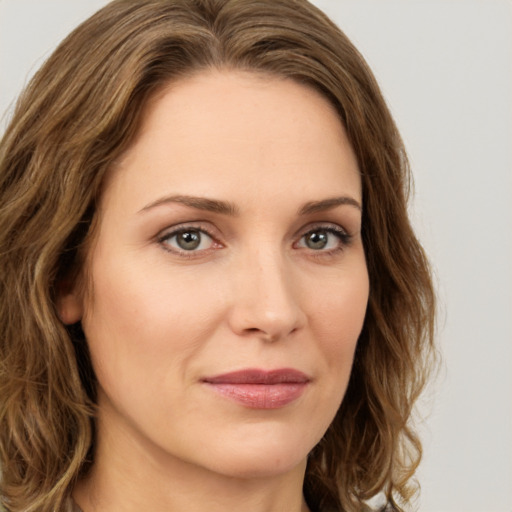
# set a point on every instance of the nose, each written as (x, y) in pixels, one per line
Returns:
(266, 302)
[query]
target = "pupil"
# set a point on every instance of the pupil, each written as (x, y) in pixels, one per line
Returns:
(317, 240)
(189, 240)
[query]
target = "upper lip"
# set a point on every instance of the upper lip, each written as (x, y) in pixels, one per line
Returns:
(258, 376)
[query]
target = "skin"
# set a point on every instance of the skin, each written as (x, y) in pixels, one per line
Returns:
(256, 293)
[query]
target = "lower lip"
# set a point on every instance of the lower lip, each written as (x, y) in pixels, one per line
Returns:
(261, 396)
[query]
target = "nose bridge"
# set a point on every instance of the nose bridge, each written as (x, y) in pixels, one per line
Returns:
(266, 302)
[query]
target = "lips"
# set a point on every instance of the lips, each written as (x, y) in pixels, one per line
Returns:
(260, 389)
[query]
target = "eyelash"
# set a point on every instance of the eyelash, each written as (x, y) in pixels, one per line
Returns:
(166, 236)
(343, 237)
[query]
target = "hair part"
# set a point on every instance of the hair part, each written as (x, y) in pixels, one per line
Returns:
(79, 113)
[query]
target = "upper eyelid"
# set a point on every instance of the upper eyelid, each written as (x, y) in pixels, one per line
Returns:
(184, 226)
(323, 225)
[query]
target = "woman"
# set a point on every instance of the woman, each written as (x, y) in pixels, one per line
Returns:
(212, 295)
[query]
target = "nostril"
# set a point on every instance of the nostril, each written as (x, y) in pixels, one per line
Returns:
(262, 334)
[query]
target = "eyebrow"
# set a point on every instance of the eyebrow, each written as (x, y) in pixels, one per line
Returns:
(328, 204)
(228, 208)
(199, 203)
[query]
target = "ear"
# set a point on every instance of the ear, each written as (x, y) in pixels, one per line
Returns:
(70, 307)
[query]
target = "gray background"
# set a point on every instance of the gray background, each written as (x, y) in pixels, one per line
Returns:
(445, 67)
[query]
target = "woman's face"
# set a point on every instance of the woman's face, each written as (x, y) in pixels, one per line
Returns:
(228, 283)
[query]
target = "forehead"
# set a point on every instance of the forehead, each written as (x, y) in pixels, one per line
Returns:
(219, 131)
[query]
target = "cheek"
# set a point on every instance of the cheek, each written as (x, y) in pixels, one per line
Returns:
(337, 320)
(340, 308)
(134, 323)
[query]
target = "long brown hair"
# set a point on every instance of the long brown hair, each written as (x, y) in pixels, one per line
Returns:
(77, 115)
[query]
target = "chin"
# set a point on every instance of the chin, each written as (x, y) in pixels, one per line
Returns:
(257, 460)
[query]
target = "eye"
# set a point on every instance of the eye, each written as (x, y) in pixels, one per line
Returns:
(188, 240)
(324, 239)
